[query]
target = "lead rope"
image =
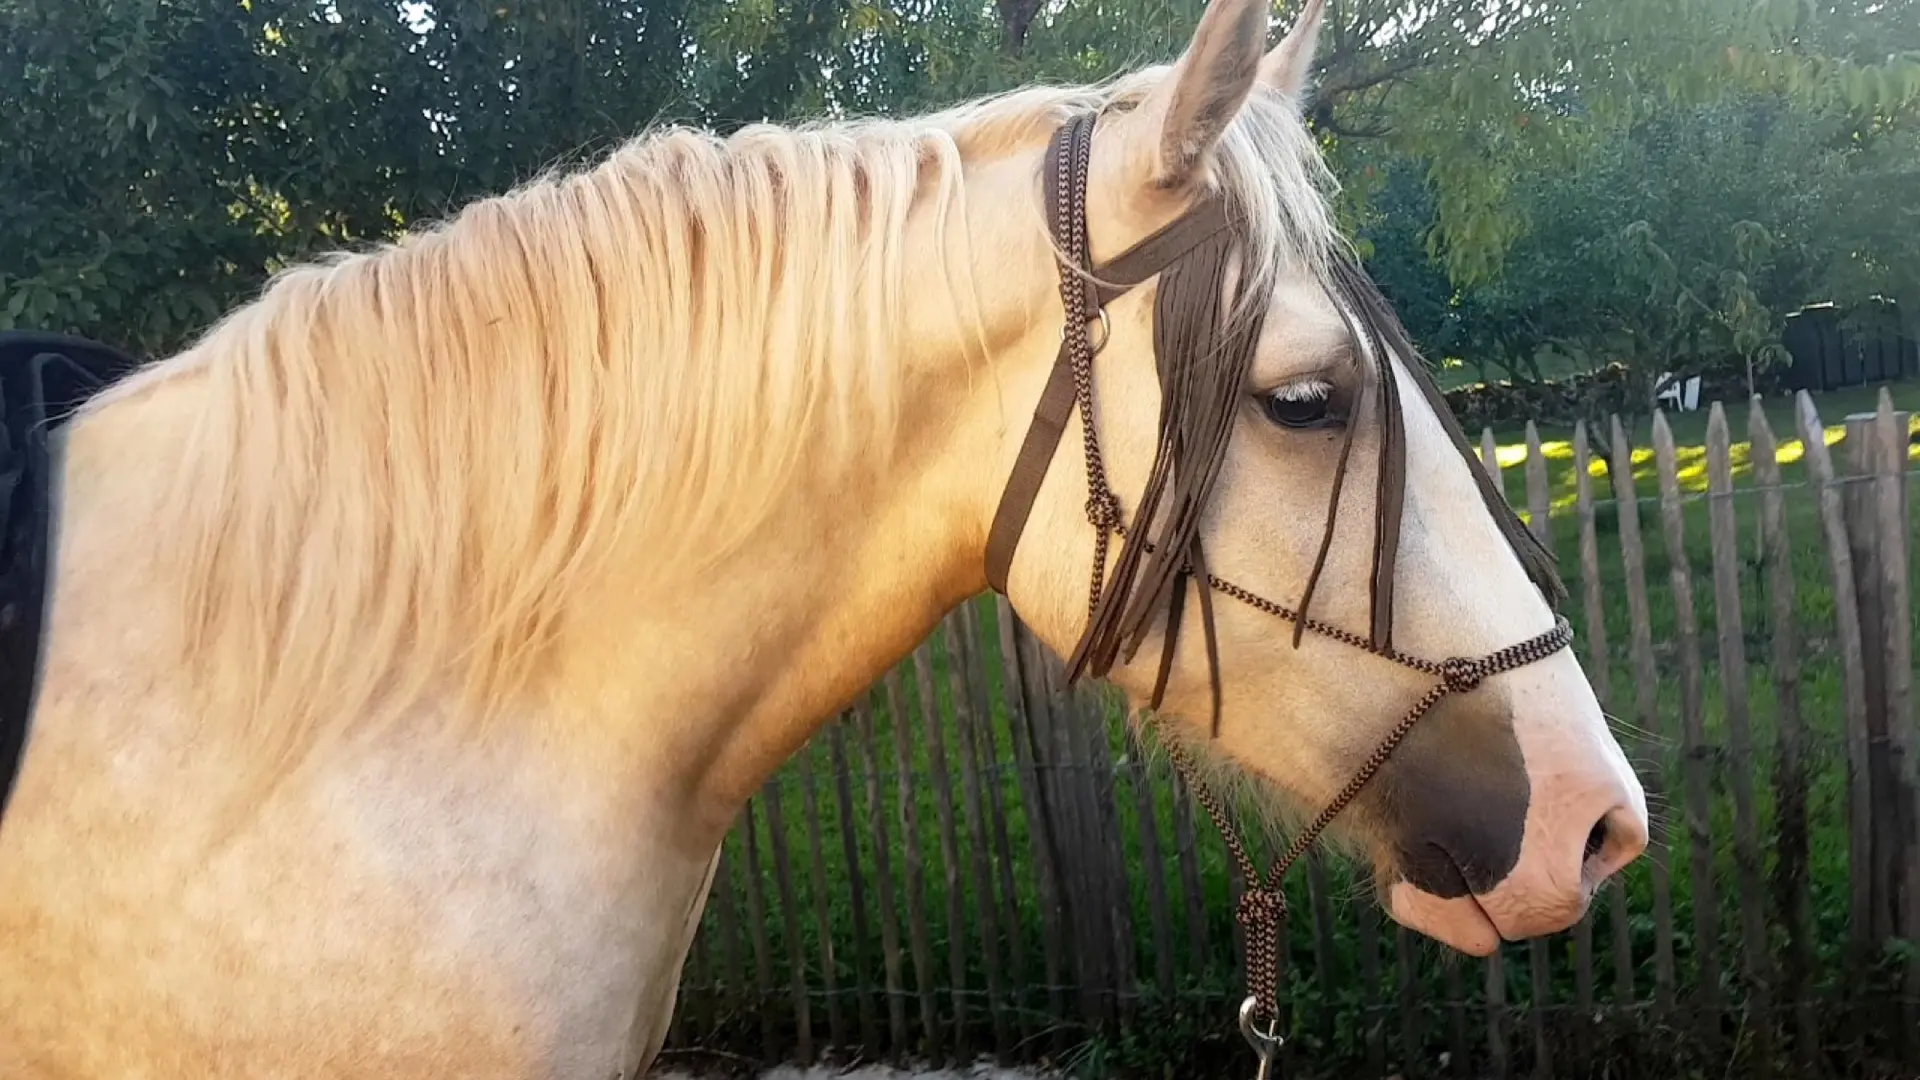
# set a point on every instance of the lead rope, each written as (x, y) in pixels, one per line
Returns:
(1262, 910)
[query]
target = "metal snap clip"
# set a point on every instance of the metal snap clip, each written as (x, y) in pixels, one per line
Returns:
(1266, 1044)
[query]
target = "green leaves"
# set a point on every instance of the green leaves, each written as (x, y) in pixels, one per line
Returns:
(16, 307)
(164, 155)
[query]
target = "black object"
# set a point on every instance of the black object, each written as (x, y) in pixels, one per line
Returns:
(1832, 349)
(43, 379)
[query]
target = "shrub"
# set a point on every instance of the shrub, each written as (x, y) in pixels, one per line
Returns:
(1592, 396)
(1588, 395)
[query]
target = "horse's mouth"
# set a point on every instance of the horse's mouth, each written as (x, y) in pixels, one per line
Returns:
(1458, 922)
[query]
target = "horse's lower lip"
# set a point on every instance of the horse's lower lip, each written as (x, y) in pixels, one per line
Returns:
(1459, 922)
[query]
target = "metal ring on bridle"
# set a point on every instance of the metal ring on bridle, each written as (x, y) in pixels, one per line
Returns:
(1106, 330)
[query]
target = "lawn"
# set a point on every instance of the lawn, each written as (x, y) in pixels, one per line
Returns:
(1690, 438)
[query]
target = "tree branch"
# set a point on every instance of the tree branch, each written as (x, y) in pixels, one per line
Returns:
(1322, 117)
(1386, 73)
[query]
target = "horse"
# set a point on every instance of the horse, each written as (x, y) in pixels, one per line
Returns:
(414, 636)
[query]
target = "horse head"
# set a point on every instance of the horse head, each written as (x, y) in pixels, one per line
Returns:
(1244, 502)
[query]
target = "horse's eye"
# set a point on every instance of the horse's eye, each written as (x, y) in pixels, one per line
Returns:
(1299, 406)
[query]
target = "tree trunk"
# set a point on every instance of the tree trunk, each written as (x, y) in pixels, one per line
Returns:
(1016, 19)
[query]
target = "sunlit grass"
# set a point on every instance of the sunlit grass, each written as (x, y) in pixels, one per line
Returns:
(1690, 457)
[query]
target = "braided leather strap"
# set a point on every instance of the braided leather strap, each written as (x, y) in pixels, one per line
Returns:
(1263, 907)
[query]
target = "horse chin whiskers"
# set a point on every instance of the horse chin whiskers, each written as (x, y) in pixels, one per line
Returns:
(1260, 801)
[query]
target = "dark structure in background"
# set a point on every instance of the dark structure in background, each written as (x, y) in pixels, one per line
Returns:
(1832, 348)
(43, 378)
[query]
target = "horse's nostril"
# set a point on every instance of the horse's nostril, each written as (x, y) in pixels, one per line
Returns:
(1596, 839)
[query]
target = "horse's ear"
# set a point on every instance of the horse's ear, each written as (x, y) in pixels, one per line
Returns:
(1209, 83)
(1289, 66)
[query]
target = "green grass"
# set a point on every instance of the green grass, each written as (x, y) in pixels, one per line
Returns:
(1454, 372)
(1340, 1018)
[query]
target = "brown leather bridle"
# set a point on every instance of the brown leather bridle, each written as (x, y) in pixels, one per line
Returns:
(1202, 368)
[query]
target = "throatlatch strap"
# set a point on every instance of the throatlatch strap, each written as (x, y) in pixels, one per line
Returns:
(1029, 472)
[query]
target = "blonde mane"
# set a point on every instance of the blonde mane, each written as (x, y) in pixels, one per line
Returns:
(407, 462)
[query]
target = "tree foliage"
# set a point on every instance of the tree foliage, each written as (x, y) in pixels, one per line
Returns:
(1536, 183)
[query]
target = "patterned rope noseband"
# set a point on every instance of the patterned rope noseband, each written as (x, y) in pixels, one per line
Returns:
(1202, 368)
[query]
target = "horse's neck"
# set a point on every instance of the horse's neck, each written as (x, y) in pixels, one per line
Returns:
(730, 668)
(701, 681)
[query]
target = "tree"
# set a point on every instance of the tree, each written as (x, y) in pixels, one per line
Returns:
(164, 156)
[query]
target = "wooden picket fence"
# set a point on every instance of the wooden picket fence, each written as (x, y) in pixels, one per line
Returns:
(976, 859)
